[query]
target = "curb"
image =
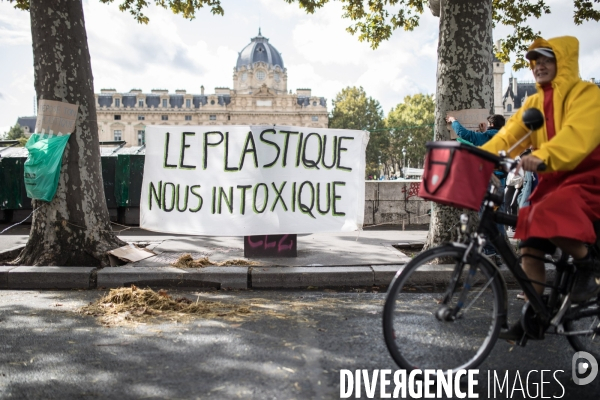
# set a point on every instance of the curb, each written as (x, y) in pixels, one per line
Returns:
(241, 278)
(231, 277)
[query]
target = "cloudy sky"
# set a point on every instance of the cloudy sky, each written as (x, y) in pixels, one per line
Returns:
(173, 53)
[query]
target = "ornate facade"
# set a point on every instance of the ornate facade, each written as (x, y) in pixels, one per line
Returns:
(259, 97)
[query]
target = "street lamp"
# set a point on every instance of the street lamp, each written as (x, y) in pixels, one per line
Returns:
(404, 161)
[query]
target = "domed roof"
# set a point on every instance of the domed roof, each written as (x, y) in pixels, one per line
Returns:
(259, 49)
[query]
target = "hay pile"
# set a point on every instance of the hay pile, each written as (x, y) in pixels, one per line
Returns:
(186, 261)
(131, 305)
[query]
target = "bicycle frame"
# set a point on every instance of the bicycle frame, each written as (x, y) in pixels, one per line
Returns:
(489, 228)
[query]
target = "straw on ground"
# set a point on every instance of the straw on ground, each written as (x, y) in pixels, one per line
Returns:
(133, 305)
(186, 261)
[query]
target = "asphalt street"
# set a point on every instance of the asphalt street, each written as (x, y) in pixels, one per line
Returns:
(49, 351)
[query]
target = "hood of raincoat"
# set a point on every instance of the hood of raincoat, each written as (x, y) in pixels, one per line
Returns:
(566, 51)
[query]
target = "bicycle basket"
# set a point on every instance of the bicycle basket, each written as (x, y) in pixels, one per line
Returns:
(456, 174)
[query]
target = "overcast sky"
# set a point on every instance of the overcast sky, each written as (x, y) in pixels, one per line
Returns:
(173, 53)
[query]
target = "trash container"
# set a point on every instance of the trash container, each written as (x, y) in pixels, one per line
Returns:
(128, 187)
(14, 203)
(109, 169)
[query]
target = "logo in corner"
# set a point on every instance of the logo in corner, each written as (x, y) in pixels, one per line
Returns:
(584, 372)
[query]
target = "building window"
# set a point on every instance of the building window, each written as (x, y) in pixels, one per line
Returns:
(117, 102)
(315, 118)
(212, 117)
(117, 135)
(141, 137)
(140, 103)
(314, 103)
(212, 102)
(509, 107)
(260, 75)
(188, 103)
(164, 102)
(141, 117)
(117, 117)
(188, 117)
(164, 117)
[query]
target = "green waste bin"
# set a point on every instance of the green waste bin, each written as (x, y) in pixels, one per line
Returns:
(128, 187)
(14, 202)
(109, 169)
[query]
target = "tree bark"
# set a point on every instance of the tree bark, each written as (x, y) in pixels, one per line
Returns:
(464, 81)
(74, 228)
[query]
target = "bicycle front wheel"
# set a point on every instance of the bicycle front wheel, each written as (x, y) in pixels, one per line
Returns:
(416, 336)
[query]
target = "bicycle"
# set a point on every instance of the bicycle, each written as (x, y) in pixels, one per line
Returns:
(461, 295)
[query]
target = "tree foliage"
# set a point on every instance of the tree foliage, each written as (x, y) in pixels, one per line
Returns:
(16, 132)
(187, 8)
(352, 109)
(410, 125)
(376, 20)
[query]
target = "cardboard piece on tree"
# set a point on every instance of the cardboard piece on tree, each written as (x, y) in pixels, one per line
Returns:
(127, 254)
(470, 119)
(56, 117)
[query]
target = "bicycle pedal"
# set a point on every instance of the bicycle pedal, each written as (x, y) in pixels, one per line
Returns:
(523, 341)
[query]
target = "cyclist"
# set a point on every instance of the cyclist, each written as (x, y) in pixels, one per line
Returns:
(566, 201)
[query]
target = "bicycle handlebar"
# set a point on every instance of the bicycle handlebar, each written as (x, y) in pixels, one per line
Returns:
(509, 164)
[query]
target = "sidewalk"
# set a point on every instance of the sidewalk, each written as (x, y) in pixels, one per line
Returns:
(324, 260)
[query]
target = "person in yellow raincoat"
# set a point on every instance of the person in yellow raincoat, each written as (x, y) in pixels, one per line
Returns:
(566, 202)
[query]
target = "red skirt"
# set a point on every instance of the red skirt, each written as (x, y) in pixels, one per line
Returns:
(564, 204)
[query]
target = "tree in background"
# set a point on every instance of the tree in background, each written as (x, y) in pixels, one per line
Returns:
(352, 109)
(464, 75)
(376, 20)
(410, 126)
(16, 132)
(74, 228)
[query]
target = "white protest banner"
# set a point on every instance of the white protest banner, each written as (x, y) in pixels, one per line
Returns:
(253, 180)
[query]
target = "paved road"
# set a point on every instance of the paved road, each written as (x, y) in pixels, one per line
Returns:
(49, 351)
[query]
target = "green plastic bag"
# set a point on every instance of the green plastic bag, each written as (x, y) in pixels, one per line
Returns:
(42, 167)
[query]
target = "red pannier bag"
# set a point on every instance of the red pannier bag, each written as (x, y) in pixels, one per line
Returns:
(456, 174)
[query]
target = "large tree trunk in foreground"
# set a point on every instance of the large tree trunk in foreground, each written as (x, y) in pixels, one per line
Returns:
(464, 81)
(74, 228)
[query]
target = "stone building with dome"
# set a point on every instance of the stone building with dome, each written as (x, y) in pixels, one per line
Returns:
(259, 96)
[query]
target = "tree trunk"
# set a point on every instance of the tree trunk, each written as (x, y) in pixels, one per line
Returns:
(74, 228)
(464, 81)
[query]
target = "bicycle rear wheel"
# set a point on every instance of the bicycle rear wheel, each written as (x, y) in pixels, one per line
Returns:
(416, 338)
(589, 342)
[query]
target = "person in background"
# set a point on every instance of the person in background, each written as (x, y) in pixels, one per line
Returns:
(514, 183)
(495, 123)
(529, 183)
